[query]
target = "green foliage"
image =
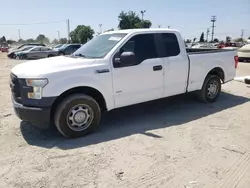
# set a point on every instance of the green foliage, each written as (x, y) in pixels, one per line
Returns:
(42, 39)
(131, 20)
(146, 24)
(239, 40)
(30, 41)
(63, 41)
(228, 38)
(3, 39)
(216, 40)
(55, 41)
(81, 34)
(11, 41)
(202, 37)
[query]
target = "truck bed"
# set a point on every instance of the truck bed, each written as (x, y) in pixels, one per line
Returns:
(202, 61)
(191, 51)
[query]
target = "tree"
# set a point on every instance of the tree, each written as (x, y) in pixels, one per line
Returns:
(188, 41)
(30, 40)
(146, 24)
(81, 34)
(54, 41)
(248, 37)
(216, 40)
(42, 39)
(3, 39)
(21, 41)
(239, 40)
(202, 37)
(11, 41)
(63, 41)
(129, 20)
(228, 38)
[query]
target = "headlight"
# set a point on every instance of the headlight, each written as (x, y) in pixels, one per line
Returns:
(37, 85)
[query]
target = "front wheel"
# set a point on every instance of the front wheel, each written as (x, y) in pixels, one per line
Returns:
(211, 89)
(77, 115)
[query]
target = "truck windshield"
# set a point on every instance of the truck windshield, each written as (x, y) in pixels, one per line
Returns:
(99, 46)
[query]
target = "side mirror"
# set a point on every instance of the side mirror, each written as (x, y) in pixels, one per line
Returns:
(127, 59)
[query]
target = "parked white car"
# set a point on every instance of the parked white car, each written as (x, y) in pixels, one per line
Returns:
(113, 70)
(244, 53)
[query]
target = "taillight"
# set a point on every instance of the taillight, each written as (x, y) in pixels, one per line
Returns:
(236, 61)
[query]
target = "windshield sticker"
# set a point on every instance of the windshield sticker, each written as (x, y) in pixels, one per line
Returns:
(115, 38)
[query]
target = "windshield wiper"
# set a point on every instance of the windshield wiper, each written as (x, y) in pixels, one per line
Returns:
(79, 55)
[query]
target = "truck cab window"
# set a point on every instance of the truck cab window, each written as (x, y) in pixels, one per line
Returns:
(143, 46)
(171, 44)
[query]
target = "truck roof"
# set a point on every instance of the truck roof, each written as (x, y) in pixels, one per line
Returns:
(127, 31)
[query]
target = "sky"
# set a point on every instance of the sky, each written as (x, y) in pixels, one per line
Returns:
(190, 17)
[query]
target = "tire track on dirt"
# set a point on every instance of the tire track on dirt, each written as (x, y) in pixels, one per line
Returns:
(236, 172)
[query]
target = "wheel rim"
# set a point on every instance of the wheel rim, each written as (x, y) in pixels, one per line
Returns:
(213, 89)
(80, 117)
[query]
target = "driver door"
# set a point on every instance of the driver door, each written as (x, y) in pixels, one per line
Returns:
(143, 80)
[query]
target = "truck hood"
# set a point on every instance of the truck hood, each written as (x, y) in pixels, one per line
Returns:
(39, 68)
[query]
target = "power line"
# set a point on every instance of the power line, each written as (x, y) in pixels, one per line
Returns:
(37, 23)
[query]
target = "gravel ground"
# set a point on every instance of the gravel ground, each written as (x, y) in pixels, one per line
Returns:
(172, 143)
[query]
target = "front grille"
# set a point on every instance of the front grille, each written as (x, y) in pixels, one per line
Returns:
(15, 88)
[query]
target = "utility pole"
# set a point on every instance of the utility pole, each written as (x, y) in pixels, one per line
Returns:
(68, 26)
(207, 33)
(142, 16)
(58, 33)
(213, 20)
(19, 35)
(242, 34)
(100, 25)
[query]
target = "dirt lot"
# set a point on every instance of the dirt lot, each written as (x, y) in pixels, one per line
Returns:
(170, 143)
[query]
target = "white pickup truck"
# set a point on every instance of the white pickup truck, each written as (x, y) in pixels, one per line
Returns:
(113, 70)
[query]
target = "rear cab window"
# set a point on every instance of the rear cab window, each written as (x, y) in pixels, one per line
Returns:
(171, 44)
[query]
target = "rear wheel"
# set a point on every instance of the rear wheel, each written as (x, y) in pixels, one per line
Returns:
(77, 115)
(50, 55)
(211, 89)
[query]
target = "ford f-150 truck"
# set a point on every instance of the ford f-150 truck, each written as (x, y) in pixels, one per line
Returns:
(113, 70)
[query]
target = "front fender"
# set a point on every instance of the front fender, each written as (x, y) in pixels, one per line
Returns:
(102, 83)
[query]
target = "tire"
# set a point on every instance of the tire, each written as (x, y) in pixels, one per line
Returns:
(24, 56)
(61, 53)
(50, 55)
(80, 104)
(209, 93)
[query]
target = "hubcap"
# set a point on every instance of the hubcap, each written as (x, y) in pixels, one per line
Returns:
(213, 89)
(80, 117)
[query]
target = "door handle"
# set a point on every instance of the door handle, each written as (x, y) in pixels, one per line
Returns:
(157, 68)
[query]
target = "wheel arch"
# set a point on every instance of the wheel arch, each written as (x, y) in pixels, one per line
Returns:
(218, 71)
(90, 91)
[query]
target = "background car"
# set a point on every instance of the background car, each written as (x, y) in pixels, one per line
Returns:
(37, 53)
(4, 47)
(68, 49)
(244, 53)
(12, 52)
(57, 46)
(25, 48)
